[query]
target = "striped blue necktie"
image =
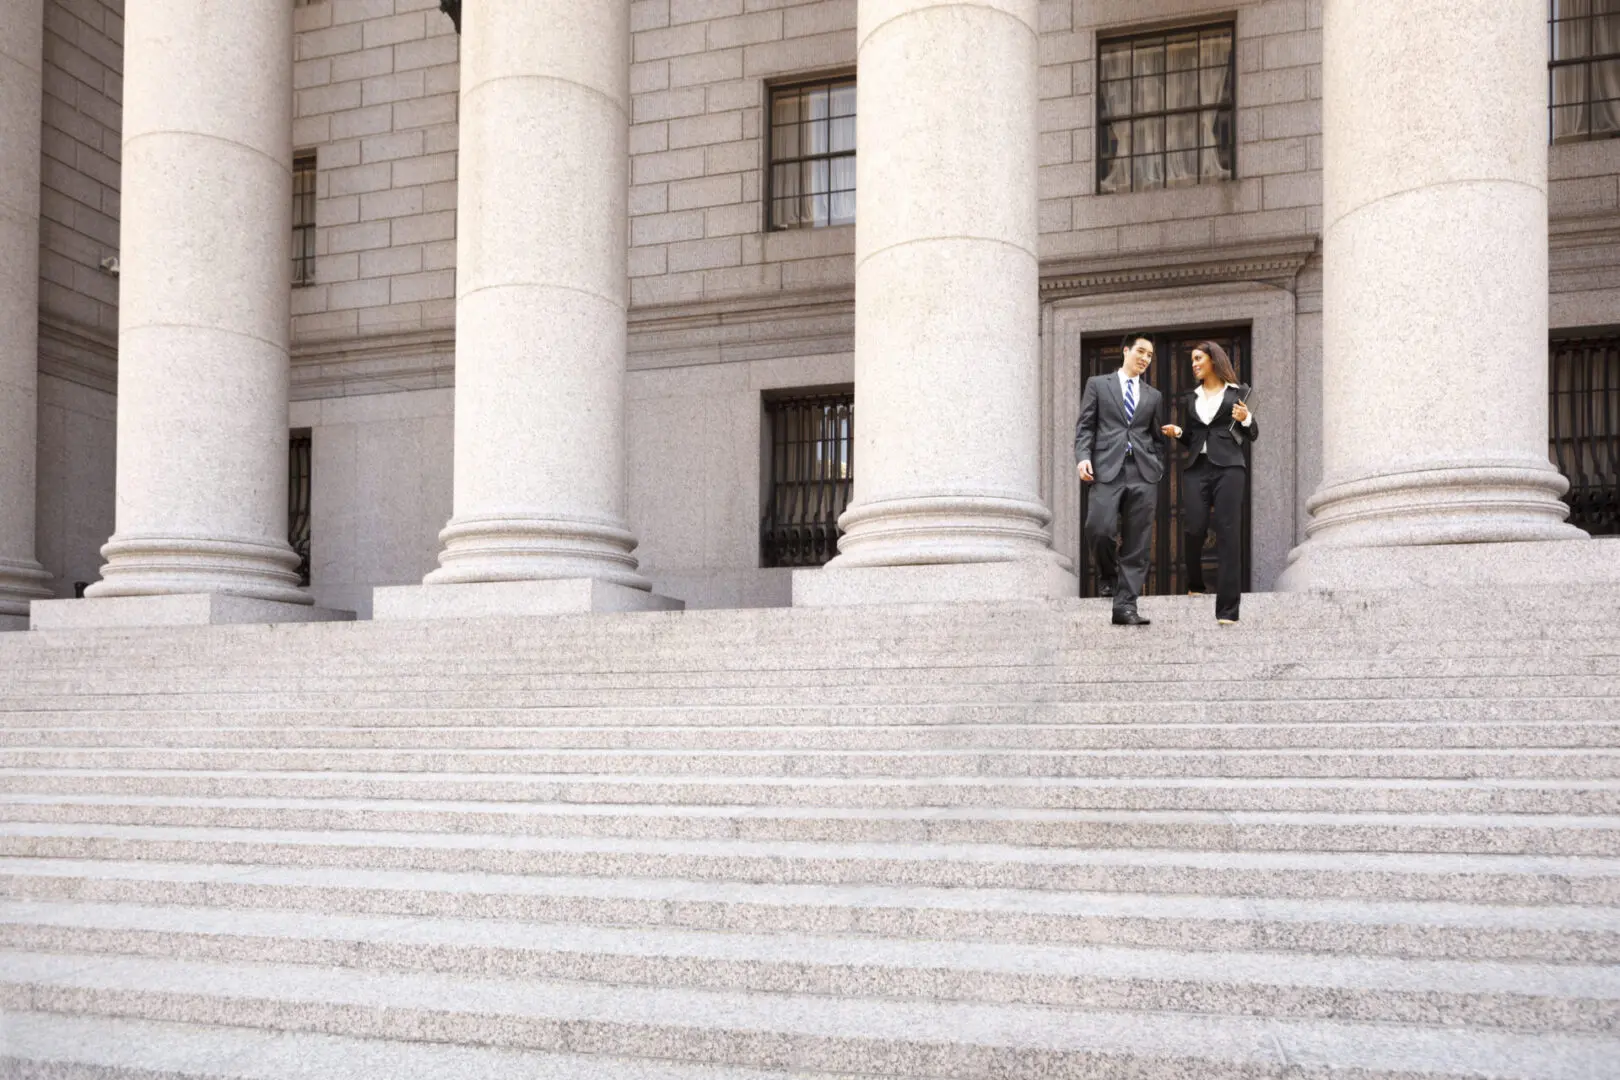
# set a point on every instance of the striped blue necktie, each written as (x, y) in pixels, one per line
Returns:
(1130, 411)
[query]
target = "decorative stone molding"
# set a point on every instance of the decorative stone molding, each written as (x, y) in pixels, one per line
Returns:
(374, 364)
(761, 327)
(1273, 262)
(78, 354)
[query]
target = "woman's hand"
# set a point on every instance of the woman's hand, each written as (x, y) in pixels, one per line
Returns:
(1240, 413)
(1171, 431)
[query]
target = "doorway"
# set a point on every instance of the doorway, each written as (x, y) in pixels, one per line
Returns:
(1171, 375)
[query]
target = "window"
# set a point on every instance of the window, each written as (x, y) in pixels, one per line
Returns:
(809, 478)
(303, 217)
(298, 488)
(1584, 70)
(811, 182)
(1171, 374)
(1165, 109)
(1584, 433)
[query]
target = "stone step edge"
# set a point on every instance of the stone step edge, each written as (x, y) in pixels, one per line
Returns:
(911, 1039)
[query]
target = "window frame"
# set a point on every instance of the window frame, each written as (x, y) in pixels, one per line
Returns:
(1100, 123)
(831, 490)
(830, 80)
(1588, 63)
(306, 163)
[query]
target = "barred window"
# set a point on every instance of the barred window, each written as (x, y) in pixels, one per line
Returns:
(299, 461)
(810, 476)
(1584, 433)
(1165, 109)
(1584, 71)
(811, 181)
(303, 217)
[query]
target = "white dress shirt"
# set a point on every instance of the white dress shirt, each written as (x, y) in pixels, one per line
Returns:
(1208, 403)
(1135, 385)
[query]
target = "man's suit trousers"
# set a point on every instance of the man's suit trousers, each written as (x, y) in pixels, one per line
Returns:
(1125, 507)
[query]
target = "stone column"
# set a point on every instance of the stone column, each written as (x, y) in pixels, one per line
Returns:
(203, 322)
(1434, 418)
(21, 577)
(947, 365)
(542, 286)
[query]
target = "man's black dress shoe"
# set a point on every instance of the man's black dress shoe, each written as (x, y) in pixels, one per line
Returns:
(1130, 618)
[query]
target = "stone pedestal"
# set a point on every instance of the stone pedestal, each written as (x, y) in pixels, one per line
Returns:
(203, 306)
(22, 579)
(560, 596)
(542, 292)
(946, 307)
(179, 609)
(945, 583)
(1435, 299)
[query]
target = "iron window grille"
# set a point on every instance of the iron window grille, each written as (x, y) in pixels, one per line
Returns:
(811, 476)
(1584, 71)
(1166, 109)
(1584, 428)
(299, 461)
(811, 179)
(1171, 374)
(303, 227)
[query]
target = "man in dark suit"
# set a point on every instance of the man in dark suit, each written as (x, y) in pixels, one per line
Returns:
(1120, 448)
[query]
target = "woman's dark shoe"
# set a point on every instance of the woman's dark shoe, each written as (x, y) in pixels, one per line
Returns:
(1130, 618)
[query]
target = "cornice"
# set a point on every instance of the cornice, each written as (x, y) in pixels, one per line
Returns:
(1274, 261)
(78, 354)
(374, 364)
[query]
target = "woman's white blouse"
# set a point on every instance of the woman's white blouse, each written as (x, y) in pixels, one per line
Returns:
(1207, 405)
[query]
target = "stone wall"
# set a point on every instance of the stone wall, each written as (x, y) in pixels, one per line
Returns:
(80, 141)
(375, 98)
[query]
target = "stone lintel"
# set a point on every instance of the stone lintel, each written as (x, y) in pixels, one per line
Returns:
(561, 596)
(180, 609)
(942, 583)
(1454, 566)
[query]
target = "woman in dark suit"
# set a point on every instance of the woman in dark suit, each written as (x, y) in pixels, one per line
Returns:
(1217, 425)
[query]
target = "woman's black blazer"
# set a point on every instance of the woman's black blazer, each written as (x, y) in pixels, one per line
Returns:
(1225, 447)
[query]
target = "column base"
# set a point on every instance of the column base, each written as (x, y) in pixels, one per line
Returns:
(554, 596)
(13, 622)
(1449, 566)
(935, 583)
(173, 609)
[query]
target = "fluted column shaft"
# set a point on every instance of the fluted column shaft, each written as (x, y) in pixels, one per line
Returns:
(21, 577)
(203, 322)
(1435, 323)
(946, 287)
(542, 292)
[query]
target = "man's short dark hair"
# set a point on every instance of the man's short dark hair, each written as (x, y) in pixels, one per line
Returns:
(1132, 338)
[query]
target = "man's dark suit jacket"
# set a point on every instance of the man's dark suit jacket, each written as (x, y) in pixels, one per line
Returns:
(1100, 435)
(1225, 446)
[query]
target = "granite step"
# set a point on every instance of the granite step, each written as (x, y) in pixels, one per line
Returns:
(1524, 997)
(1484, 796)
(891, 1038)
(1343, 658)
(1308, 762)
(1543, 710)
(453, 692)
(1520, 907)
(1157, 732)
(53, 1046)
(1522, 834)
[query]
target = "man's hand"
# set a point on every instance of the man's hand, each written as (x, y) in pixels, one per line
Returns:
(1085, 472)
(1240, 413)
(1171, 431)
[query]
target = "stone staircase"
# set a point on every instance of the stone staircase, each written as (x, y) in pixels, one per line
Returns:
(1366, 838)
